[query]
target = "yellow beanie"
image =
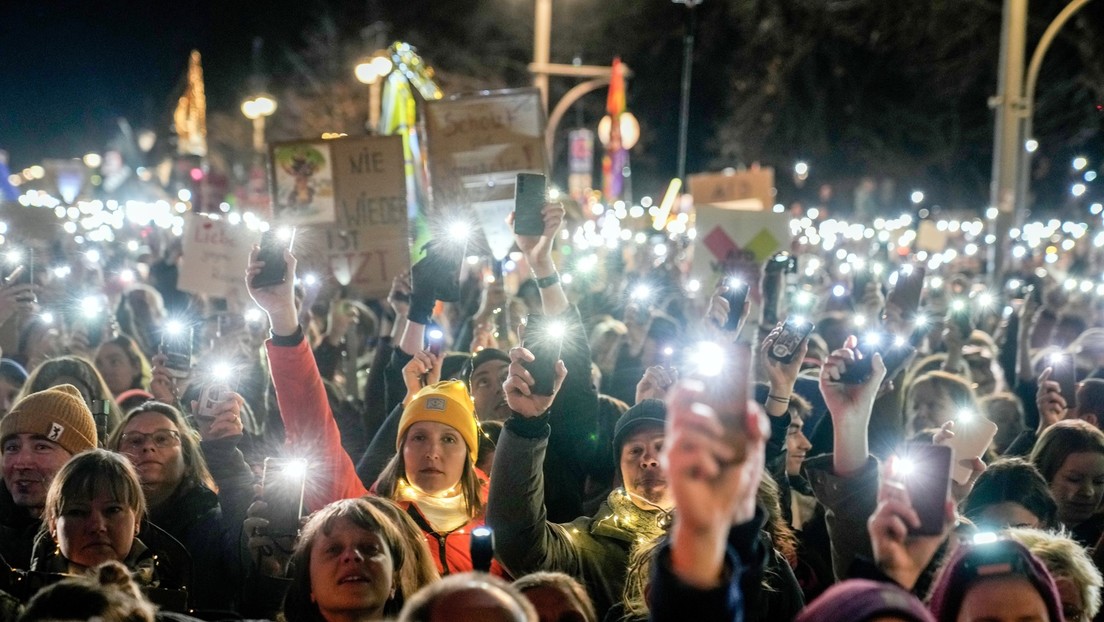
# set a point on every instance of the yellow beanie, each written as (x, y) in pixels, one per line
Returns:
(58, 414)
(446, 402)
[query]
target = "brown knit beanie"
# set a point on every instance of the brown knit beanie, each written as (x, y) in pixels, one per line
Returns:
(58, 414)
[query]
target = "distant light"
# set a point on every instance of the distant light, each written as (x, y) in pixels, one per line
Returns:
(184, 194)
(814, 213)
(91, 307)
(93, 256)
(641, 292)
(133, 246)
(310, 280)
(838, 291)
(801, 169)
(917, 197)
(92, 160)
(1096, 208)
(779, 208)
(1090, 175)
(693, 285)
(1079, 163)
(860, 320)
(126, 275)
(1031, 145)
(252, 315)
(991, 213)
(1078, 189)
(47, 317)
(14, 255)
(62, 271)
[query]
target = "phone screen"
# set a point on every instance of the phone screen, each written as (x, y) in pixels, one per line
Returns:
(794, 331)
(283, 486)
(736, 294)
(925, 471)
(1065, 374)
(271, 253)
(906, 293)
(177, 348)
(895, 352)
(529, 198)
(543, 337)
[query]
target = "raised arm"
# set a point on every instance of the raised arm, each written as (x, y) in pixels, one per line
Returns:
(311, 431)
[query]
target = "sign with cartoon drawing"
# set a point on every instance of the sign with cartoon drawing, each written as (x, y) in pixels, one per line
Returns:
(302, 182)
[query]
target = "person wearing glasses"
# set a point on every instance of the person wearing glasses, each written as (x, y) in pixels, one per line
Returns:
(172, 460)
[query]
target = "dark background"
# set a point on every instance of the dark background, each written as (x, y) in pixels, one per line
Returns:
(896, 92)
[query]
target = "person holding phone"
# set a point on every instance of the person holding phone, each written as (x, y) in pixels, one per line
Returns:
(697, 571)
(171, 459)
(432, 473)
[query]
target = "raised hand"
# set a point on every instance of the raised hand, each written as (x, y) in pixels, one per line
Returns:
(1052, 405)
(712, 480)
(422, 370)
(538, 249)
(655, 383)
(226, 421)
(519, 384)
(898, 554)
(278, 301)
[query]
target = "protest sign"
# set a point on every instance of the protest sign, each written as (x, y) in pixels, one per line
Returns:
(477, 145)
(215, 255)
(736, 242)
(302, 182)
(751, 190)
(368, 243)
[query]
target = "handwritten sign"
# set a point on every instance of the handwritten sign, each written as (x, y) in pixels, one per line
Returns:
(215, 255)
(368, 243)
(751, 190)
(477, 145)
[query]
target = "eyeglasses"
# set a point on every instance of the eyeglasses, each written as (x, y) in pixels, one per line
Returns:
(133, 442)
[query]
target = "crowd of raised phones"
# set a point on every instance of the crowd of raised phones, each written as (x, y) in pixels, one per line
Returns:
(613, 446)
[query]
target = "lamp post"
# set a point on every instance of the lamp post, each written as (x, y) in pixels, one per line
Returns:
(256, 109)
(687, 73)
(371, 71)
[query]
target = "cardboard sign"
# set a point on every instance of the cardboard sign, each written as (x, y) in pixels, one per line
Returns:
(302, 182)
(215, 255)
(368, 243)
(733, 241)
(477, 145)
(751, 190)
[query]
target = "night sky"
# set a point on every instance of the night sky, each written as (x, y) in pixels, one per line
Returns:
(68, 69)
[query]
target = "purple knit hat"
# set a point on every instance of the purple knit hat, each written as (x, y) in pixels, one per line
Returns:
(858, 600)
(1002, 557)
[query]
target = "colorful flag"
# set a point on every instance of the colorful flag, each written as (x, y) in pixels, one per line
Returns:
(613, 162)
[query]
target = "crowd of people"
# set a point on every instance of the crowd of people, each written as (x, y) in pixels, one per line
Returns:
(804, 442)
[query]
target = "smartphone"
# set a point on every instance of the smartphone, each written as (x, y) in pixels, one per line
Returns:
(972, 436)
(927, 478)
(783, 263)
(895, 350)
(906, 293)
(435, 341)
(283, 485)
(960, 314)
(1065, 374)
(794, 331)
(178, 350)
(860, 279)
(210, 398)
(736, 294)
(728, 399)
(529, 198)
(482, 548)
(271, 253)
(543, 337)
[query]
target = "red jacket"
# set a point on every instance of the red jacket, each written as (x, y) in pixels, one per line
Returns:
(312, 433)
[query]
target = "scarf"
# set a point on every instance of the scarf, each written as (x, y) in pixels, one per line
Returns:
(444, 512)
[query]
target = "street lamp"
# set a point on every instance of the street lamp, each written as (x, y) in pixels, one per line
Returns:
(256, 109)
(371, 71)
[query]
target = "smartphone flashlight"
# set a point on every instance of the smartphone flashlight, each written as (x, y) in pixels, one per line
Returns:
(709, 359)
(641, 293)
